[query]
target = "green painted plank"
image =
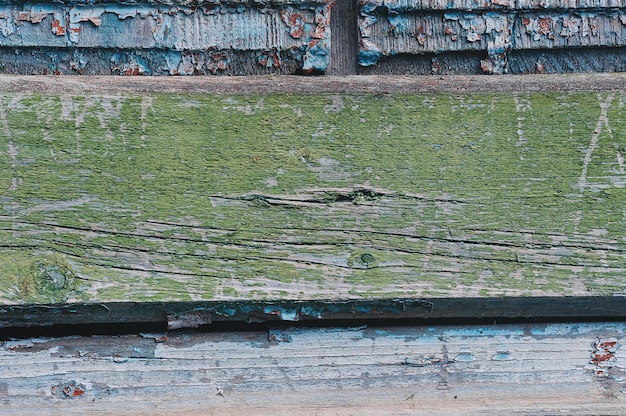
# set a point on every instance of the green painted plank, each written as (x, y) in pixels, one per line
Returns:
(141, 197)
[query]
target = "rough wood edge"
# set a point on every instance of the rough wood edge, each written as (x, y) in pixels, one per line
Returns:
(358, 84)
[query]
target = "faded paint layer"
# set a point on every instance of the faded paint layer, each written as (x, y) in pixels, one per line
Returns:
(441, 370)
(191, 39)
(495, 28)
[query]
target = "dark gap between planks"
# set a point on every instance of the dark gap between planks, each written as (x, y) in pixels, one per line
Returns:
(129, 318)
(134, 328)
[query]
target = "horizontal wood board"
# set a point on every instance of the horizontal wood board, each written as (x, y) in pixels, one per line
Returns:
(500, 33)
(241, 37)
(215, 196)
(572, 368)
(164, 38)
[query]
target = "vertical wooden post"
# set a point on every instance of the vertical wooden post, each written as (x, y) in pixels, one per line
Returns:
(343, 26)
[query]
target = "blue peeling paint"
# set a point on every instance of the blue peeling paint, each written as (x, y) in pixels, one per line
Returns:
(269, 59)
(172, 59)
(369, 56)
(318, 57)
(165, 35)
(502, 356)
(363, 309)
(284, 314)
(397, 24)
(312, 312)
(368, 8)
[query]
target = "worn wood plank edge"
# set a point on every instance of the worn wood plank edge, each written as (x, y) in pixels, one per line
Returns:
(314, 85)
(531, 368)
(178, 315)
(576, 368)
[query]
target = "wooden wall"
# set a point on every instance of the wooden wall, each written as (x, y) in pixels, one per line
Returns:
(239, 37)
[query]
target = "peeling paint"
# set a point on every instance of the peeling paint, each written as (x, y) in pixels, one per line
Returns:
(69, 390)
(317, 56)
(422, 361)
(157, 337)
(502, 354)
(486, 5)
(496, 27)
(539, 27)
(581, 28)
(78, 62)
(189, 319)
(191, 63)
(128, 65)
(18, 344)
(270, 59)
(396, 23)
(217, 61)
(275, 335)
(317, 51)
(603, 356)
(201, 35)
(79, 14)
(7, 25)
(295, 311)
(295, 21)
(285, 314)
(369, 54)
(465, 355)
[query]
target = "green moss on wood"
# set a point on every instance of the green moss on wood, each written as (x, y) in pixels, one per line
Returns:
(171, 197)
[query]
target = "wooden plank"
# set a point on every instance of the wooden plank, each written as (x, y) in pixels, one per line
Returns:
(294, 37)
(497, 29)
(182, 38)
(372, 84)
(528, 61)
(343, 23)
(576, 368)
(155, 197)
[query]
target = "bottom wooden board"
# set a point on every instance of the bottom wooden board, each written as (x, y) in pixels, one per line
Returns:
(573, 368)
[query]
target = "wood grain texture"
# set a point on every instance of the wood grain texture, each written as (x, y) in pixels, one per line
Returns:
(497, 29)
(149, 38)
(519, 62)
(344, 45)
(528, 369)
(152, 197)
(349, 84)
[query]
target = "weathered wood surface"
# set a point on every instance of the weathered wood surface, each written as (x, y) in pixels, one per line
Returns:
(241, 37)
(344, 42)
(154, 197)
(498, 29)
(157, 38)
(528, 369)
(355, 84)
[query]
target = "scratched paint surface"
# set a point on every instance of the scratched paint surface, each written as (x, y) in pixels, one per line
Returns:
(526, 369)
(185, 39)
(167, 197)
(496, 28)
